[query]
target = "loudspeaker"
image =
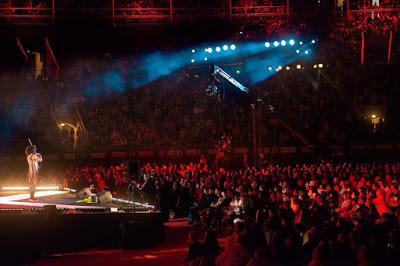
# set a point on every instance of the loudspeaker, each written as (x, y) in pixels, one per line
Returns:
(84, 193)
(50, 210)
(133, 166)
(104, 197)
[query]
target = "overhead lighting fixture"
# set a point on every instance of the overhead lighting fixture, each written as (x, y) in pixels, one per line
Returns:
(298, 66)
(276, 43)
(218, 49)
(283, 43)
(267, 44)
(291, 42)
(225, 47)
(233, 47)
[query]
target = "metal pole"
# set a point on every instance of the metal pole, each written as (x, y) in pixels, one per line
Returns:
(229, 9)
(171, 11)
(53, 5)
(254, 116)
(113, 11)
(287, 8)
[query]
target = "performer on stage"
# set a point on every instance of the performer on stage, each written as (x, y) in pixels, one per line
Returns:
(33, 158)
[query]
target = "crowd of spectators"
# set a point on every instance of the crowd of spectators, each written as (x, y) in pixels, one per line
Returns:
(315, 214)
(280, 214)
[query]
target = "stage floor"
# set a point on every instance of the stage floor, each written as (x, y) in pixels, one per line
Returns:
(61, 198)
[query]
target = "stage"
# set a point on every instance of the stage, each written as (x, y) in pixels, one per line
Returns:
(55, 222)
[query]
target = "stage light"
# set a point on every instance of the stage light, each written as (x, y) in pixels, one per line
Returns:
(276, 43)
(287, 68)
(297, 51)
(238, 71)
(225, 47)
(283, 43)
(267, 44)
(298, 66)
(193, 50)
(218, 49)
(306, 52)
(291, 42)
(210, 50)
(279, 67)
(192, 60)
(233, 47)
(206, 50)
(373, 116)
(315, 66)
(22, 188)
(270, 68)
(205, 59)
(301, 43)
(320, 65)
(312, 41)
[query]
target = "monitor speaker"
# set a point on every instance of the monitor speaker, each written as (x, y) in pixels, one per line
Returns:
(84, 193)
(104, 197)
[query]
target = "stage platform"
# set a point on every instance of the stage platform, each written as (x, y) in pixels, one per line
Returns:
(55, 223)
(63, 199)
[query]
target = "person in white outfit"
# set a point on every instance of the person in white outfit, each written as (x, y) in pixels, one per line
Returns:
(33, 158)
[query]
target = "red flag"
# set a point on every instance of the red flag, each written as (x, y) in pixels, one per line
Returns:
(390, 46)
(362, 47)
(52, 67)
(21, 48)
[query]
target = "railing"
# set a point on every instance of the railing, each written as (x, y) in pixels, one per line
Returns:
(141, 15)
(375, 10)
(117, 12)
(259, 11)
(23, 15)
(370, 11)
